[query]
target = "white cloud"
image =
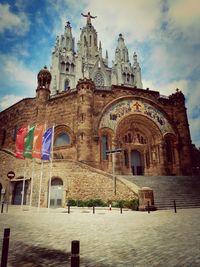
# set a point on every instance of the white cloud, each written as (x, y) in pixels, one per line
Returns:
(9, 100)
(184, 16)
(14, 73)
(18, 72)
(18, 23)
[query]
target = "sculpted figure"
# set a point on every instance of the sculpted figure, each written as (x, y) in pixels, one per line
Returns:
(89, 17)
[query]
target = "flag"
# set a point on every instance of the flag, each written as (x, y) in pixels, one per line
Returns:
(19, 144)
(46, 144)
(37, 142)
(28, 143)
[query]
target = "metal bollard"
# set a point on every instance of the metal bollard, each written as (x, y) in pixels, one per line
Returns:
(2, 205)
(175, 206)
(148, 207)
(121, 209)
(68, 208)
(93, 209)
(4, 254)
(75, 249)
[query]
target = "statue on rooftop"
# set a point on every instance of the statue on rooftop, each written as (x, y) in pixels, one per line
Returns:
(89, 17)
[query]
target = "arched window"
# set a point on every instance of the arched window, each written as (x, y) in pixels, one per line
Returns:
(66, 86)
(62, 140)
(56, 181)
(90, 40)
(104, 147)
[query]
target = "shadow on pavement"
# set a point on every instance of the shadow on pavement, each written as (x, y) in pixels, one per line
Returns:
(34, 256)
(24, 255)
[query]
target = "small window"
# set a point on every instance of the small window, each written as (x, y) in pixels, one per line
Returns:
(104, 146)
(90, 40)
(62, 140)
(66, 87)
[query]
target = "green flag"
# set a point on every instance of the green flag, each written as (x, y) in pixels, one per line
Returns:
(28, 143)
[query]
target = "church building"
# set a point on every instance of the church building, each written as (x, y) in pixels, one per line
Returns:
(95, 109)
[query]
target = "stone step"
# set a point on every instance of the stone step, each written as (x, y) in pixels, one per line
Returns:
(184, 189)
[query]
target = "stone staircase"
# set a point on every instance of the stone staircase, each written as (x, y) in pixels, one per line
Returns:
(184, 190)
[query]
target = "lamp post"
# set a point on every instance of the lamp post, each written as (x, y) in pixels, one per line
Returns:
(113, 152)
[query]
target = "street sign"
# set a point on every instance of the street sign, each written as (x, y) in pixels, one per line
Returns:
(10, 174)
(117, 150)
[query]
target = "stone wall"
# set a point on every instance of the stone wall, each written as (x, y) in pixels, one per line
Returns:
(80, 181)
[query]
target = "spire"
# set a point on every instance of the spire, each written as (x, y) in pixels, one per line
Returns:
(135, 58)
(106, 59)
(100, 49)
(68, 41)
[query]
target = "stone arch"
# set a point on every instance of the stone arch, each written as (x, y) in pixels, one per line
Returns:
(64, 142)
(136, 132)
(64, 130)
(110, 106)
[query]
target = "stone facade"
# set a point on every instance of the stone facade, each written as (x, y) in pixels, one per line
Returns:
(91, 117)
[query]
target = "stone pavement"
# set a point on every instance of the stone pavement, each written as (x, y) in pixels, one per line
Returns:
(107, 238)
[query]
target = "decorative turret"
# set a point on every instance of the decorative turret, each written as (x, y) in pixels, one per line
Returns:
(88, 43)
(137, 72)
(121, 52)
(42, 93)
(44, 80)
(85, 101)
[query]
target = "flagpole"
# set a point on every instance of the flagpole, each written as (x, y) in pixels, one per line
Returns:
(33, 168)
(23, 186)
(51, 165)
(41, 174)
(40, 186)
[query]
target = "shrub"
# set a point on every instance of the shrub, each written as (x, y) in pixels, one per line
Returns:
(130, 204)
(71, 202)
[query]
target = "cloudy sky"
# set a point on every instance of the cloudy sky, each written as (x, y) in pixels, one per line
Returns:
(164, 33)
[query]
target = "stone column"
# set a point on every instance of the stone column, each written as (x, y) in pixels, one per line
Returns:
(162, 158)
(85, 89)
(146, 198)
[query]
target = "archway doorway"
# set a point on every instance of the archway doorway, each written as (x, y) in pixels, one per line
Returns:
(17, 193)
(136, 163)
(56, 193)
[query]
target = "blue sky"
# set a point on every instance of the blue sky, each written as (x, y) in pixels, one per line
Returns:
(164, 33)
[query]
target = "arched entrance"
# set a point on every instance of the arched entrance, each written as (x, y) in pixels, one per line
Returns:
(56, 193)
(136, 163)
(17, 193)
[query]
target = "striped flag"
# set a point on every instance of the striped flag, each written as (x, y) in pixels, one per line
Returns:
(28, 143)
(46, 144)
(37, 142)
(19, 144)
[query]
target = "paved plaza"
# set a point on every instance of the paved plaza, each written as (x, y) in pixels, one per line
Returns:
(107, 238)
